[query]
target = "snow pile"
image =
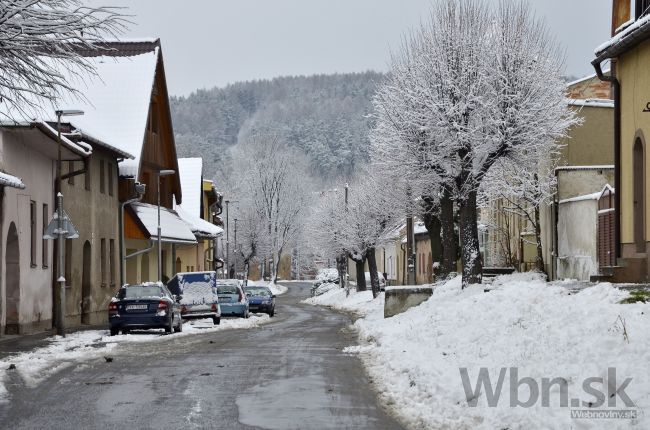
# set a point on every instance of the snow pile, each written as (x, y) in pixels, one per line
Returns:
(323, 288)
(37, 365)
(327, 274)
(542, 330)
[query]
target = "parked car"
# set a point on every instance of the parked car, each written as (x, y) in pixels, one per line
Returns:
(260, 299)
(144, 306)
(382, 280)
(200, 296)
(232, 299)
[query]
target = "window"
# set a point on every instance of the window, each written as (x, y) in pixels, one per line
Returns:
(642, 7)
(102, 185)
(102, 261)
(44, 252)
(32, 232)
(110, 179)
(70, 170)
(111, 261)
(87, 177)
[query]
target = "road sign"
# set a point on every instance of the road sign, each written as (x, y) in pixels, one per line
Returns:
(68, 231)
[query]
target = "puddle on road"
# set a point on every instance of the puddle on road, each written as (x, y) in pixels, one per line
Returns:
(298, 403)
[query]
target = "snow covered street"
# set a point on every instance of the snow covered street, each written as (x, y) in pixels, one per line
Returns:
(82, 346)
(540, 330)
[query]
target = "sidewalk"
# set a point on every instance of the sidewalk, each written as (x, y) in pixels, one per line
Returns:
(17, 343)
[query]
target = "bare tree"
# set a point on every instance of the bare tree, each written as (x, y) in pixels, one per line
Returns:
(41, 46)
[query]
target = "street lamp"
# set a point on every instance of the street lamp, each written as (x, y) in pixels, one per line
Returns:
(160, 173)
(236, 248)
(228, 236)
(59, 212)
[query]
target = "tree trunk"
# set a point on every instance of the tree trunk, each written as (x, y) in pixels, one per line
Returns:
(449, 246)
(434, 227)
(539, 261)
(361, 274)
(246, 270)
(470, 252)
(276, 267)
(341, 266)
(372, 267)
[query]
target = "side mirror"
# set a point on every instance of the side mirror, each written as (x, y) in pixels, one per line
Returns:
(248, 294)
(273, 296)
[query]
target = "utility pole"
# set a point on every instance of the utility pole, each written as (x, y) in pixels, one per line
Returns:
(236, 252)
(61, 233)
(227, 242)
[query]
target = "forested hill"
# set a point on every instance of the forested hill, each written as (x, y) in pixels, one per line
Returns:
(324, 115)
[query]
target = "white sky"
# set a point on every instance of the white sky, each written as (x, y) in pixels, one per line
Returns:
(210, 43)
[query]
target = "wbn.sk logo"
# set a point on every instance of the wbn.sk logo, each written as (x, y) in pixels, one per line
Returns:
(601, 392)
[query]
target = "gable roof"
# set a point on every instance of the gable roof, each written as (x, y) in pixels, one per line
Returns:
(191, 173)
(626, 39)
(117, 100)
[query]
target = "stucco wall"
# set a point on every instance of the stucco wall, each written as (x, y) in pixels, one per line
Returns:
(577, 239)
(96, 217)
(634, 75)
(592, 142)
(37, 171)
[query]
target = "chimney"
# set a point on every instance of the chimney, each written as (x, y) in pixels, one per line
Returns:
(620, 13)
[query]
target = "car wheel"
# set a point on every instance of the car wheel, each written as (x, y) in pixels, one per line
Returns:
(179, 327)
(114, 331)
(216, 320)
(125, 331)
(272, 312)
(169, 326)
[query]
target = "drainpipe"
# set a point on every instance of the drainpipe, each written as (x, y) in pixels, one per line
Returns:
(616, 89)
(123, 255)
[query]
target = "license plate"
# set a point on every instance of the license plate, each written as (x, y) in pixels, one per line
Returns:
(136, 307)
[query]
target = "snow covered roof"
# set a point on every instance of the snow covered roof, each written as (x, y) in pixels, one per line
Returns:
(594, 167)
(200, 227)
(191, 172)
(11, 181)
(604, 103)
(592, 196)
(586, 78)
(115, 101)
(623, 39)
(79, 148)
(173, 228)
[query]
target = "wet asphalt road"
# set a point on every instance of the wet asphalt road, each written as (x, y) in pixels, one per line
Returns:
(288, 374)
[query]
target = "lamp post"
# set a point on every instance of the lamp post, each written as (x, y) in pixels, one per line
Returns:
(228, 237)
(236, 248)
(160, 173)
(59, 213)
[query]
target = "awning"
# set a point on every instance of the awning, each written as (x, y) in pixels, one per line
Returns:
(11, 181)
(172, 228)
(201, 228)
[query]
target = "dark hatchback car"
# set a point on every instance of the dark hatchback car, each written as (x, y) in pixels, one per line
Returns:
(144, 306)
(260, 299)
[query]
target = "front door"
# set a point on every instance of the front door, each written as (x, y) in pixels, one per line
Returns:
(639, 195)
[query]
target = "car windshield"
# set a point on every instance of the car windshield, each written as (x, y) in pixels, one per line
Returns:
(263, 292)
(136, 291)
(227, 289)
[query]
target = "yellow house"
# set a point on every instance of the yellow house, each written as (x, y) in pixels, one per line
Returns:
(629, 52)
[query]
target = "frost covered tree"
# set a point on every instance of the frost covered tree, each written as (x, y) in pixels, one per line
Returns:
(356, 227)
(474, 84)
(273, 176)
(523, 185)
(41, 42)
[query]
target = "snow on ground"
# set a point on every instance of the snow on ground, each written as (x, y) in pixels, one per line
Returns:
(541, 329)
(78, 347)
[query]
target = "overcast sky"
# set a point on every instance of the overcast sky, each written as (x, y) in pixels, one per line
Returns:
(216, 42)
